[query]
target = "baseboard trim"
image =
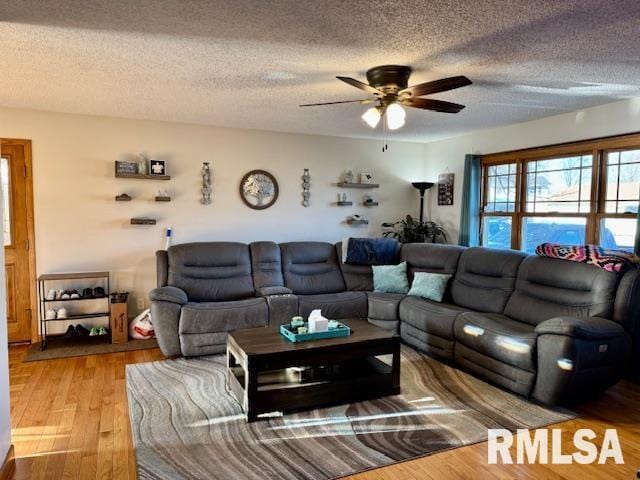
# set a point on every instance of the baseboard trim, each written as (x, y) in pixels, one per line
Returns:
(8, 466)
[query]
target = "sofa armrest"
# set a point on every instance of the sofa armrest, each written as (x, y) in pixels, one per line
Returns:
(168, 294)
(266, 291)
(586, 328)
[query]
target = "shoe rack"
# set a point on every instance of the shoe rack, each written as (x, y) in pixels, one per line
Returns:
(80, 281)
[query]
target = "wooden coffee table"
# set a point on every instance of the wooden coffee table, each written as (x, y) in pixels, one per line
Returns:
(261, 378)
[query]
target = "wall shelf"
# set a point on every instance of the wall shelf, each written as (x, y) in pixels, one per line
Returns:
(162, 199)
(357, 222)
(358, 185)
(140, 176)
(124, 198)
(143, 221)
(370, 204)
(344, 204)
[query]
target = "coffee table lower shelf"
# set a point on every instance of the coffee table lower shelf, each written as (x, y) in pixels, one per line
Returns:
(277, 390)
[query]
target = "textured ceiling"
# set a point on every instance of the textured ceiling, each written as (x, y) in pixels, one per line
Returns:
(249, 63)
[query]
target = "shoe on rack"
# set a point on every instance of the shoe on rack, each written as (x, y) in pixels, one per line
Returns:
(87, 293)
(50, 314)
(94, 332)
(51, 295)
(98, 292)
(74, 295)
(62, 313)
(83, 332)
(59, 294)
(66, 295)
(103, 331)
(71, 332)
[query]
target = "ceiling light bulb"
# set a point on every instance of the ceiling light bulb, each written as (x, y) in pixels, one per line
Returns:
(395, 116)
(371, 117)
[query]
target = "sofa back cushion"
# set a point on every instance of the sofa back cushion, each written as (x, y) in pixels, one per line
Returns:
(357, 278)
(311, 267)
(485, 278)
(430, 258)
(550, 287)
(266, 264)
(211, 271)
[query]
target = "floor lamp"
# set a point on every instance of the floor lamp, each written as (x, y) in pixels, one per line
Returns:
(423, 187)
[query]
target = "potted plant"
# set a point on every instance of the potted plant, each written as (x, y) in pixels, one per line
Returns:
(409, 230)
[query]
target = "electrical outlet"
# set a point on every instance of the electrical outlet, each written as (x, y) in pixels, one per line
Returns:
(141, 303)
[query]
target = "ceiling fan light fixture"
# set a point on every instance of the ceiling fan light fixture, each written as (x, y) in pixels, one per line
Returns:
(372, 117)
(395, 116)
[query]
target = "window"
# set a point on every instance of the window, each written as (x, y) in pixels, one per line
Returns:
(586, 192)
(622, 195)
(6, 186)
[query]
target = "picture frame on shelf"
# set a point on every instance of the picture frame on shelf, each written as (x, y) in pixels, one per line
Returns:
(157, 167)
(366, 178)
(126, 168)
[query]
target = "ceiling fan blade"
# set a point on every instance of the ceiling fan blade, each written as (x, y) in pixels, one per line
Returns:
(431, 104)
(437, 86)
(367, 100)
(362, 86)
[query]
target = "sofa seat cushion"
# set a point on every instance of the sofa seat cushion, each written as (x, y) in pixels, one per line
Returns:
(334, 305)
(499, 337)
(211, 317)
(384, 306)
(430, 317)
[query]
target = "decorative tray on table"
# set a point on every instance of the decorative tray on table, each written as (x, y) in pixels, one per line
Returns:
(291, 333)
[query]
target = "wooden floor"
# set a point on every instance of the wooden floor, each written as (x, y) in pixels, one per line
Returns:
(70, 420)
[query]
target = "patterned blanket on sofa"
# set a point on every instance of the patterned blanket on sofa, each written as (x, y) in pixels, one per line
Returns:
(606, 258)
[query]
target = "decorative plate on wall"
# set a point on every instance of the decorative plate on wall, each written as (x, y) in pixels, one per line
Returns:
(258, 189)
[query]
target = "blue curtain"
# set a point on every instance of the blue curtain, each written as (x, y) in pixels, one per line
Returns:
(637, 246)
(469, 233)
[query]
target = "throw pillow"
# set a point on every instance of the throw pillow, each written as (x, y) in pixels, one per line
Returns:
(390, 278)
(429, 285)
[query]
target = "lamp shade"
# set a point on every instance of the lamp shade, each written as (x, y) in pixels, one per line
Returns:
(422, 186)
(371, 117)
(395, 116)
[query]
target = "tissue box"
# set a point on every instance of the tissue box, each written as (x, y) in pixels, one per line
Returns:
(317, 325)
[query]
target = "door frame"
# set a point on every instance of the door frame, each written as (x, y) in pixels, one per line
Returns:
(31, 236)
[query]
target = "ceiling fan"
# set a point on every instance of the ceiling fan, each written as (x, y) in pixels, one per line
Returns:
(388, 83)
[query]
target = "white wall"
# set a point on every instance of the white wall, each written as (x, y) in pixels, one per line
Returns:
(605, 120)
(80, 227)
(5, 420)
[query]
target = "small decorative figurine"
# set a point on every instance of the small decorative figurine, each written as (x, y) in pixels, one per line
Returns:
(162, 196)
(206, 184)
(343, 197)
(306, 185)
(348, 177)
(143, 164)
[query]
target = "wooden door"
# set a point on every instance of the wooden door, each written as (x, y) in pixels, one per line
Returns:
(15, 180)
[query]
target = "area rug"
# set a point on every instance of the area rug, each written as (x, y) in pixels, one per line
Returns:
(65, 348)
(186, 426)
